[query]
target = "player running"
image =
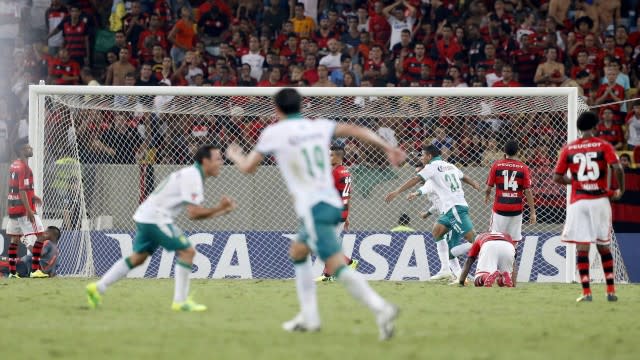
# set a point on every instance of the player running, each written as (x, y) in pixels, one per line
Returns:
(454, 209)
(453, 238)
(589, 212)
(495, 252)
(512, 180)
(300, 147)
(24, 220)
(342, 182)
(182, 189)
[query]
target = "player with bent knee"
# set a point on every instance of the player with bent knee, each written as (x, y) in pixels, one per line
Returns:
(300, 147)
(589, 212)
(495, 253)
(181, 190)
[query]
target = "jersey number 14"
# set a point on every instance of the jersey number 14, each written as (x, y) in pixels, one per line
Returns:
(509, 181)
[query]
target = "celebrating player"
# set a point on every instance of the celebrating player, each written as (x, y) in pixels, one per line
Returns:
(446, 179)
(589, 212)
(511, 178)
(300, 148)
(495, 252)
(342, 182)
(453, 238)
(182, 189)
(24, 221)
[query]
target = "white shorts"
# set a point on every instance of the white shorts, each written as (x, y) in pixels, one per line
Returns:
(22, 226)
(511, 225)
(588, 221)
(495, 255)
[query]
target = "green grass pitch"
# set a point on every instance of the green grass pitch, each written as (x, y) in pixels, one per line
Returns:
(49, 319)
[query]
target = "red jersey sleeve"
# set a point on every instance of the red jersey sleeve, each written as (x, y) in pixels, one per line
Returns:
(475, 249)
(491, 179)
(562, 166)
(20, 174)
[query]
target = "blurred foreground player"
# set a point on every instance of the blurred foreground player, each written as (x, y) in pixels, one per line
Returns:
(589, 212)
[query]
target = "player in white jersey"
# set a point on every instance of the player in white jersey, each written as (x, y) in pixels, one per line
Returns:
(181, 190)
(453, 237)
(300, 147)
(454, 209)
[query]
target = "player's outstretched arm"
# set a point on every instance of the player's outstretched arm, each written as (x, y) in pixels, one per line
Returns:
(406, 186)
(395, 155)
(528, 193)
(247, 164)
(225, 206)
(465, 269)
(470, 181)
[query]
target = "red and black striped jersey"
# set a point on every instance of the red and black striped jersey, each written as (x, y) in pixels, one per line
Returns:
(74, 37)
(486, 237)
(510, 177)
(20, 179)
(342, 182)
(588, 162)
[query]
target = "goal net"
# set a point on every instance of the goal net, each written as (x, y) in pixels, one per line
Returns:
(100, 151)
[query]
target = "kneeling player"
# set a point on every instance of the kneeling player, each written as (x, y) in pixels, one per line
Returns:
(495, 253)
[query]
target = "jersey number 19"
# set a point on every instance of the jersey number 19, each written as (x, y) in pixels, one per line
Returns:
(317, 161)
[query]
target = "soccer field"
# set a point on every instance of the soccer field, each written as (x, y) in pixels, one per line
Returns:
(50, 319)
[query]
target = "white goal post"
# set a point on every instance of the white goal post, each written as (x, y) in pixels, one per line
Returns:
(99, 150)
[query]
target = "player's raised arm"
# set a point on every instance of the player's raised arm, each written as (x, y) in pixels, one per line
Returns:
(395, 155)
(197, 212)
(470, 181)
(247, 164)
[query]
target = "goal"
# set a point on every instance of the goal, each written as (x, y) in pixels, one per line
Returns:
(98, 151)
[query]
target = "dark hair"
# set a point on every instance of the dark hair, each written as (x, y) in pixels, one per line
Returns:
(339, 149)
(17, 146)
(288, 101)
(404, 220)
(431, 149)
(405, 31)
(625, 156)
(204, 152)
(56, 232)
(345, 57)
(587, 121)
(511, 147)
(582, 74)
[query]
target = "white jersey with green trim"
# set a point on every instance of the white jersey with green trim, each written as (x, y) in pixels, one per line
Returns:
(447, 183)
(428, 190)
(171, 196)
(301, 148)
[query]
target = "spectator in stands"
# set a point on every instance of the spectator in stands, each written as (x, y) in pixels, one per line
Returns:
(323, 35)
(55, 14)
(134, 23)
(625, 161)
(633, 128)
(117, 71)
(211, 27)
(610, 92)
(275, 15)
(550, 72)
(254, 58)
(182, 36)
(442, 141)
(351, 38)
(122, 142)
(323, 77)
(274, 78)
(445, 50)
(609, 131)
(398, 21)
(302, 25)
(507, 78)
(63, 70)
(403, 48)
(76, 36)
(87, 78)
(152, 38)
(245, 78)
(337, 75)
(146, 78)
(333, 59)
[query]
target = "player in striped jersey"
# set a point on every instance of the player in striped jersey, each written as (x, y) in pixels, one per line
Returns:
(589, 212)
(512, 180)
(24, 220)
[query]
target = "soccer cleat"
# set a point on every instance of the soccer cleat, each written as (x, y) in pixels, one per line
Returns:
(385, 320)
(612, 297)
(489, 280)
(188, 306)
(93, 295)
(585, 298)
(354, 264)
(325, 278)
(298, 324)
(14, 276)
(38, 274)
(443, 275)
(505, 279)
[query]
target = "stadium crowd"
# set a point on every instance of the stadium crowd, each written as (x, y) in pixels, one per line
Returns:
(593, 45)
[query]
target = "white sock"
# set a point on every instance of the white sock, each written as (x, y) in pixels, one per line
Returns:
(454, 264)
(461, 249)
(443, 254)
(306, 289)
(119, 270)
(181, 273)
(360, 290)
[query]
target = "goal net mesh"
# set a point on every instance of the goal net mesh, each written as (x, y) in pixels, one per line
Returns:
(103, 154)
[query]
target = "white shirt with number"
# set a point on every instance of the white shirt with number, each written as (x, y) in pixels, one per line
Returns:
(428, 190)
(171, 196)
(397, 26)
(446, 183)
(301, 148)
